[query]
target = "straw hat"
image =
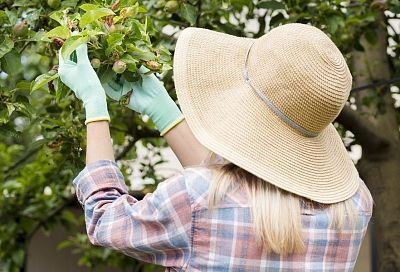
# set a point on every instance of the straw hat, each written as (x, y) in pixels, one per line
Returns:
(267, 105)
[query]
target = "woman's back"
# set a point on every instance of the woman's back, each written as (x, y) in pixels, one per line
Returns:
(172, 227)
(225, 240)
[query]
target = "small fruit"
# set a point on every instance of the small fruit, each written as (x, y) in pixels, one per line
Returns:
(58, 42)
(54, 3)
(115, 5)
(20, 29)
(95, 63)
(153, 65)
(109, 21)
(52, 72)
(119, 67)
(171, 6)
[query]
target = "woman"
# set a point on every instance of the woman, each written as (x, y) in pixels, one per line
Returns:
(279, 192)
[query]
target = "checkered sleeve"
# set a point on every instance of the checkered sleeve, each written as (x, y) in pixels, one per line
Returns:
(155, 229)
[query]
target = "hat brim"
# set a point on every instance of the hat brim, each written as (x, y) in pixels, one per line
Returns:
(227, 117)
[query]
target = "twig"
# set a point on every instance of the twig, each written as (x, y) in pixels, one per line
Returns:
(364, 130)
(21, 161)
(126, 149)
(262, 23)
(137, 135)
(376, 84)
(24, 47)
(68, 202)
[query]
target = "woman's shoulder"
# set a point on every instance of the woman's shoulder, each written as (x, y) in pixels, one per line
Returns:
(197, 179)
(362, 199)
(194, 180)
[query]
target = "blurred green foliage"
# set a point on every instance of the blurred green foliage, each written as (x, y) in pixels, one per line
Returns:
(42, 123)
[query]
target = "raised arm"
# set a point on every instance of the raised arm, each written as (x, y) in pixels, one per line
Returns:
(146, 229)
(92, 94)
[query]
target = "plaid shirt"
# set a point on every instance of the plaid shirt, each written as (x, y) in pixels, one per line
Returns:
(172, 227)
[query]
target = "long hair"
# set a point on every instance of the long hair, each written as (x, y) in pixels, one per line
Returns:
(276, 213)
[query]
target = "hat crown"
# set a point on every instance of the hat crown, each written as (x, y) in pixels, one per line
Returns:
(303, 73)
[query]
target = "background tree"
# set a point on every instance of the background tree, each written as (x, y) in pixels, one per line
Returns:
(41, 123)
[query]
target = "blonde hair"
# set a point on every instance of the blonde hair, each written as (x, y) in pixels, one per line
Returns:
(276, 213)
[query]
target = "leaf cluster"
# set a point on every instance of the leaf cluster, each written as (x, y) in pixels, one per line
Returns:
(41, 123)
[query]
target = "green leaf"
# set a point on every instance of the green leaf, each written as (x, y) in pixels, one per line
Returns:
(272, 5)
(61, 91)
(93, 15)
(69, 3)
(276, 20)
(105, 74)
(10, 108)
(4, 116)
(334, 22)
(18, 257)
(239, 4)
(27, 224)
(12, 16)
(3, 14)
(113, 40)
(164, 50)
(88, 7)
(70, 217)
(64, 244)
(38, 143)
(22, 3)
(6, 46)
(130, 62)
(91, 32)
(42, 80)
(140, 54)
(189, 13)
(58, 16)
(11, 63)
(23, 85)
(71, 44)
(60, 32)
(11, 185)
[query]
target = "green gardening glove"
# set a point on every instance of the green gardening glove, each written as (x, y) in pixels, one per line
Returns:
(80, 77)
(150, 98)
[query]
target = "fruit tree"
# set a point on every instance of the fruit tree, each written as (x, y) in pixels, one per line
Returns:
(41, 122)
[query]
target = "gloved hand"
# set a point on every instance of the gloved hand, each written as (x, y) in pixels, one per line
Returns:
(150, 98)
(83, 81)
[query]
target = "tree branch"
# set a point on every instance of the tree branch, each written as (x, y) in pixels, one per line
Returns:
(126, 149)
(262, 23)
(140, 134)
(21, 161)
(376, 84)
(55, 212)
(362, 129)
